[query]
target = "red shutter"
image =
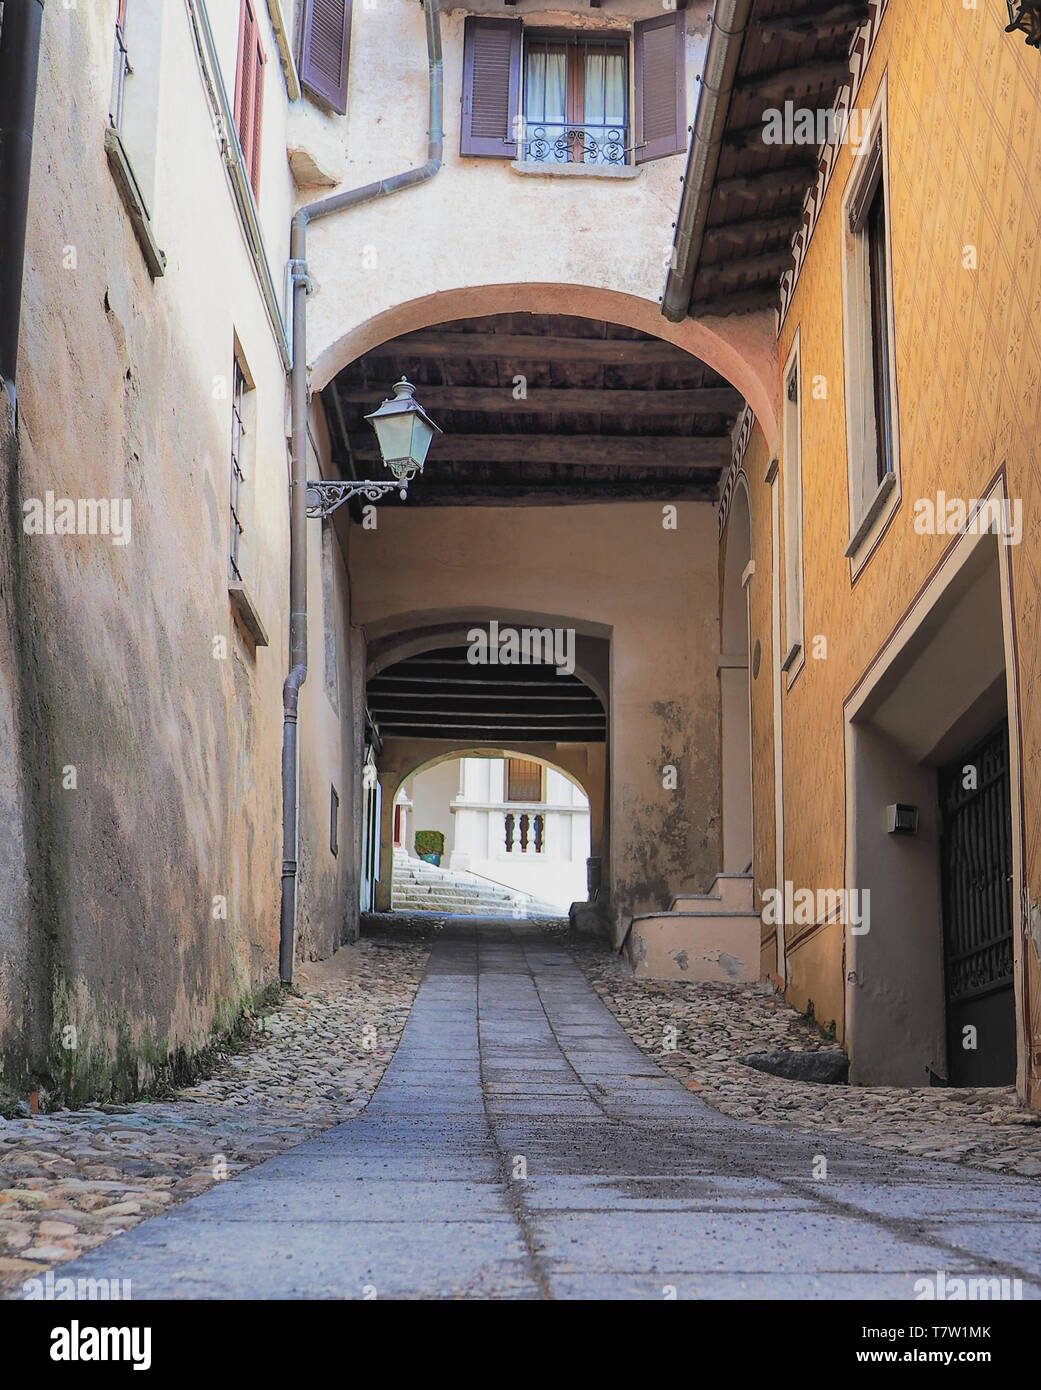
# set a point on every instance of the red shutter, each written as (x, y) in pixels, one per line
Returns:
(258, 117)
(249, 92)
(660, 82)
(325, 51)
(491, 87)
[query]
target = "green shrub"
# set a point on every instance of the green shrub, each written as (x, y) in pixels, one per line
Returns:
(430, 842)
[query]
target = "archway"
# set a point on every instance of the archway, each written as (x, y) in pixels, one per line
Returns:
(741, 348)
(735, 704)
(428, 703)
(516, 829)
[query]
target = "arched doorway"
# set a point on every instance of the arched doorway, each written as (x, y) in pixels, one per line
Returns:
(514, 834)
(735, 703)
(429, 703)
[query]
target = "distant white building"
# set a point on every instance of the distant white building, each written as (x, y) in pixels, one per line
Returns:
(516, 821)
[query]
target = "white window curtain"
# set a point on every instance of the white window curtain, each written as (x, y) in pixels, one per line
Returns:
(545, 106)
(605, 107)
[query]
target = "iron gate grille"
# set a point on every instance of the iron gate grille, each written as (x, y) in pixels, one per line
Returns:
(977, 864)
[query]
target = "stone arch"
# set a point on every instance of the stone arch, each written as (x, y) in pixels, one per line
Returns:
(583, 765)
(735, 692)
(392, 639)
(742, 348)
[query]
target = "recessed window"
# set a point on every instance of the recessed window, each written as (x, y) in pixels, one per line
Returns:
(523, 780)
(873, 444)
(587, 97)
(133, 119)
(874, 232)
(239, 444)
(334, 821)
(791, 487)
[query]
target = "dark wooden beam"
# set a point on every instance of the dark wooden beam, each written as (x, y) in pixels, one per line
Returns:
(769, 267)
(524, 495)
(824, 22)
(780, 223)
(750, 188)
(550, 400)
(502, 732)
(792, 82)
(530, 347)
(572, 450)
(741, 302)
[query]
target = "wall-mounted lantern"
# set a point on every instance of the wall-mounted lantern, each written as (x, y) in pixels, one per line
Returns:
(1025, 15)
(404, 432)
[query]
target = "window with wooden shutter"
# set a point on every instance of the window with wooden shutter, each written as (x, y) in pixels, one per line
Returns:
(249, 92)
(491, 87)
(325, 51)
(660, 82)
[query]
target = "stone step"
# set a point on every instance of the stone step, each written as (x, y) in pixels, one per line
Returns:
(729, 892)
(697, 946)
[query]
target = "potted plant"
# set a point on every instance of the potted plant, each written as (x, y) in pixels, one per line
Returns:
(430, 845)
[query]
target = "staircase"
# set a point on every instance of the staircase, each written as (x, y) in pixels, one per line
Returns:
(423, 887)
(703, 936)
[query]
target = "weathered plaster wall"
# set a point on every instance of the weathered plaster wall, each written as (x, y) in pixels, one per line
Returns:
(156, 879)
(613, 566)
(481, 238)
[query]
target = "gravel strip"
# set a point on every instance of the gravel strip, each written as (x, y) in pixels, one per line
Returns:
(75, 1178)
(985, 1127)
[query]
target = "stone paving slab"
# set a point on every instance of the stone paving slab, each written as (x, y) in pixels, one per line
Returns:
(589, 1173)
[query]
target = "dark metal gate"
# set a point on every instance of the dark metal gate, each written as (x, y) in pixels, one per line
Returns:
(976, 868)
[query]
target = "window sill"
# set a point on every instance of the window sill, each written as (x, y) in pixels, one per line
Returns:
(246, 611)
(542, 169)
(879, 508)
(130, 193)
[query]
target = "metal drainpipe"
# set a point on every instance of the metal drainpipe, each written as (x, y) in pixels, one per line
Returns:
(729, 21)
(339, 202)
(19, 66)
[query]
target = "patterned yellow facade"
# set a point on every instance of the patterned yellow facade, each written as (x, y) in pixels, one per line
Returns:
(964, 150)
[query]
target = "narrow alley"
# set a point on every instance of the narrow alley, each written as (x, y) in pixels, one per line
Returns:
(520, 1146)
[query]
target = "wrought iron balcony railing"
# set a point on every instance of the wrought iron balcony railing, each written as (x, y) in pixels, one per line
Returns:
(585, 144)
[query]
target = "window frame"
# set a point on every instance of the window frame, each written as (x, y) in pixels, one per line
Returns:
(240, 387)
(507, 794)
(575, 43)
(792, 513)
(871, 393)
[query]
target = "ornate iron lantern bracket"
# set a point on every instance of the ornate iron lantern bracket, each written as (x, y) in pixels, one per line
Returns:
(1025, 15)
(324, 497)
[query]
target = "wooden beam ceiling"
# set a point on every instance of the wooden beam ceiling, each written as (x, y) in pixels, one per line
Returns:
(553, 400)
(791, 51)
(544, 410)
(440, 694)
(603, 451)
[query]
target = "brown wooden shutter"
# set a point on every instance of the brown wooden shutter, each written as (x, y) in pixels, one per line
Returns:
(660, 85)
(325, 51)
(491, 87)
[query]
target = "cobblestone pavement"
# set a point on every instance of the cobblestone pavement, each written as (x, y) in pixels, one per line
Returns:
(521, 1146)
(71, 1180)
(715, 1024)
